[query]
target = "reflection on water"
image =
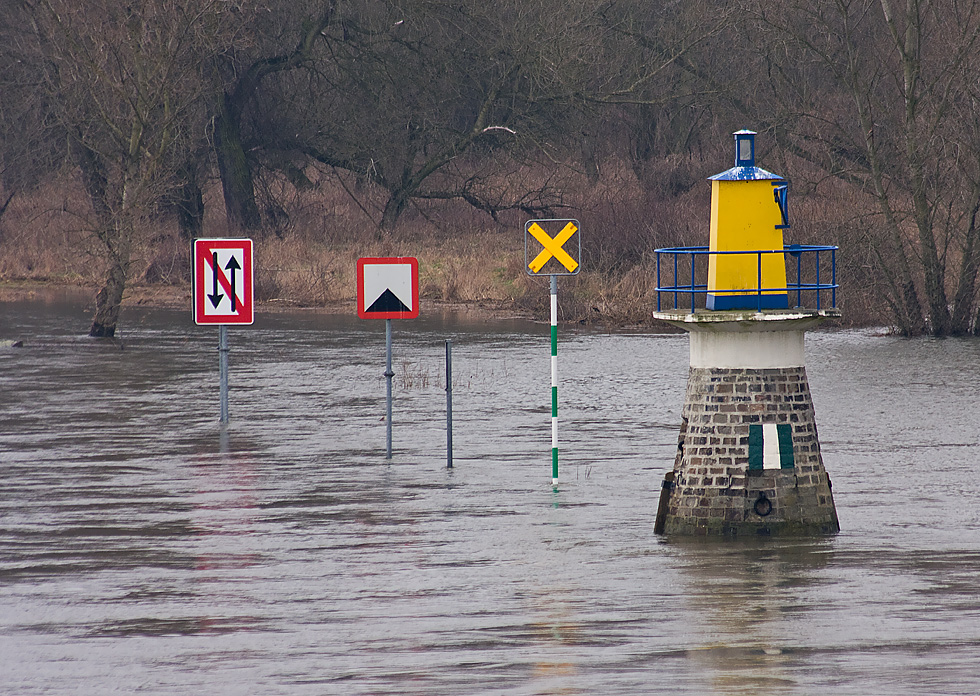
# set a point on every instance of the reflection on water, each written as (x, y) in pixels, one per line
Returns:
(146, 548)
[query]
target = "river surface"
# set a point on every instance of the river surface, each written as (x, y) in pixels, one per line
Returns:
(145, 548)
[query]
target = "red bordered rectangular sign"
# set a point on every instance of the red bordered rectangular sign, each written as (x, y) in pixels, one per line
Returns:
(223, 281)
(388, 288)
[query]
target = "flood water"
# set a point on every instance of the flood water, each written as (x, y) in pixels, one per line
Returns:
(144, 548)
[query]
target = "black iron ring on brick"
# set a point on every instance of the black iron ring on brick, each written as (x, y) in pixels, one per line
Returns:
(762, 506)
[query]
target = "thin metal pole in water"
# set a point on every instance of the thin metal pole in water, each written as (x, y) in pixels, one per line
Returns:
(223, 369)
(388, 375)
(449, 404)
(554, 380)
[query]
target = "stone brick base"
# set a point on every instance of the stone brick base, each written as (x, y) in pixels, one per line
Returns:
(714, 492)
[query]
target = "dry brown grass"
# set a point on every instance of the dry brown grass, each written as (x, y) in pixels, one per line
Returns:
(43, 239)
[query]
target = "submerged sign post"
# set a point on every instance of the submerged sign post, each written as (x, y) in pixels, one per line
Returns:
(556, 248)
(222, 270)
(388, 288)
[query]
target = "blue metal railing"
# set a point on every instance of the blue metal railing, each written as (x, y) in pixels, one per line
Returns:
(790, 251)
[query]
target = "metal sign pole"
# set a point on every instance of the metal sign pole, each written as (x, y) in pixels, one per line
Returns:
(223, 369)
(388, 375)
(554, 380)
(223, 294)
(449, 404)
(388, 288)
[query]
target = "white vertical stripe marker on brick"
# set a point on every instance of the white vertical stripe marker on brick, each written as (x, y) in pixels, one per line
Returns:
(770, 446)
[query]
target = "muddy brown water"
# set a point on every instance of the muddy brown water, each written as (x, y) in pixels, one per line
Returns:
(144, 548)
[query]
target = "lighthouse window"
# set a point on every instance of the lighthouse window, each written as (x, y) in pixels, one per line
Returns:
(745, 150)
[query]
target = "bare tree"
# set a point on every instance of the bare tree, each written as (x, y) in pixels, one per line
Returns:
(440, 100)
(895, 114)
(32, 144)
(124, 82)
(291, 32)
(655, 75)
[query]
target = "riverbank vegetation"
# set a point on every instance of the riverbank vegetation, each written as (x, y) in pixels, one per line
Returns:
(327, 130)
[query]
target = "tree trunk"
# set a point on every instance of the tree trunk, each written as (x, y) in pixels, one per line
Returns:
(190, 205)
(107, 304)
(3, 208)
(934, 286)
(236, 174)
(934, 271)
(911, 322)
(590, 160)
(967, 283)
(108, 301)
(393, 210)
(116, 241)
(643, 142)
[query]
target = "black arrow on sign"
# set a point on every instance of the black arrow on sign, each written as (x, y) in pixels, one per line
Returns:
(233, 266)
(215, 296)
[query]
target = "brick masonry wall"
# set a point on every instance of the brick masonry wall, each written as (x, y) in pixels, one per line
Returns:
(715, 492)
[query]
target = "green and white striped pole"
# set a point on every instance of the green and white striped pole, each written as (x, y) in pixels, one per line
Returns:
(554, 380)
(550, 259)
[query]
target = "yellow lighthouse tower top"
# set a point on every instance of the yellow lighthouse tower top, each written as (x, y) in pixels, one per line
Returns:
(751, 274)
(748, 216)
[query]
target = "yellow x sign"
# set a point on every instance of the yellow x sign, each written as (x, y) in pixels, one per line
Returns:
(552, 247)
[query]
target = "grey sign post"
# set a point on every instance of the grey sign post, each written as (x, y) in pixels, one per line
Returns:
(222, 272)
(388, 288)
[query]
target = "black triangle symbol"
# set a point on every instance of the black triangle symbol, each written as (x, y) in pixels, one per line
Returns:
(387, 302)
